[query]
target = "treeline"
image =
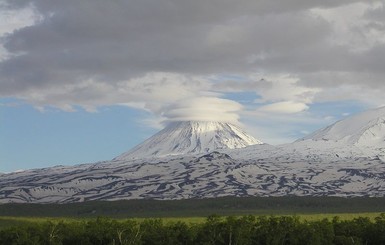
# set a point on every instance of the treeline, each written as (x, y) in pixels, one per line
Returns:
(198, 207)
(215, 230)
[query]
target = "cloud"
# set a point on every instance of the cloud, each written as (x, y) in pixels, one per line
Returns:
(150, 55)
(284, 107)
(376, 13)
(370, 96)
(16, 19)
(285, 87)
(150, 92)
(204, 109)
(279, 128)
(244, 84)
(71, 44)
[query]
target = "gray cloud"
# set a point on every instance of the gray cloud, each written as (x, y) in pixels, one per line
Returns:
(119, 41)
(376, 14)
(240, 86)
(92, 53)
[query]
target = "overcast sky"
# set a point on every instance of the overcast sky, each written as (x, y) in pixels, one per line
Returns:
(84, 80)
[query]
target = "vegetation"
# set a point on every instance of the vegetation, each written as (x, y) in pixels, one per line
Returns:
(199, 207)
(317, 220)
(214, 230)
(7, 221)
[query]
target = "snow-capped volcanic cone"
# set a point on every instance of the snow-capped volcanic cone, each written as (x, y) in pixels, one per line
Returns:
(191, 137)
(362, 134)
(364, 129)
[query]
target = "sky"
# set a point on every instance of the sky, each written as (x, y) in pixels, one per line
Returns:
(84, 81)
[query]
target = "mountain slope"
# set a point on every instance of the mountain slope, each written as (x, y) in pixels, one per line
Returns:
(364, 129)
(211, 175)
(191, 138)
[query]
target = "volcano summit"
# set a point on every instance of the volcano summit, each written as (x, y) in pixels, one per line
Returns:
(191, 137)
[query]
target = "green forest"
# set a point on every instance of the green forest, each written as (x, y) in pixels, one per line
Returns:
(215, 229)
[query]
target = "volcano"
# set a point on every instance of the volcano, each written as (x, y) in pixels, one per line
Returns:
(366, 129)
(191, 137)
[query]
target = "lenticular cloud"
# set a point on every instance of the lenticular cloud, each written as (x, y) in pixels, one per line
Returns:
(204, 109)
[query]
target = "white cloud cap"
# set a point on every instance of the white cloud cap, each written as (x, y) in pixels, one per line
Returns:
(204, 109)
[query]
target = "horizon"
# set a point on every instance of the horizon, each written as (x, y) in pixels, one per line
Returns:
(77, 88)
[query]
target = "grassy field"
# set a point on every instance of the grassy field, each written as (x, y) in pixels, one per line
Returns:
(7, 221)
(195, 210)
